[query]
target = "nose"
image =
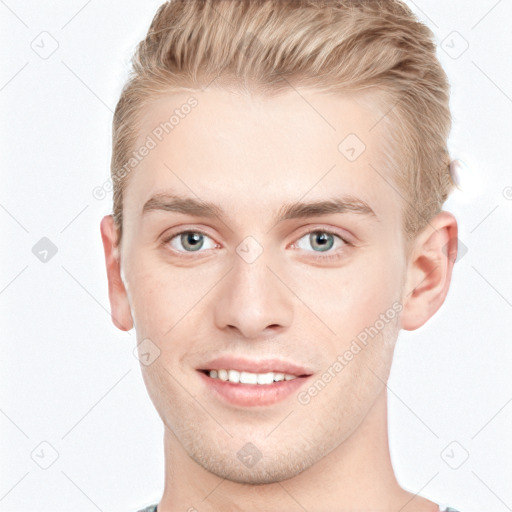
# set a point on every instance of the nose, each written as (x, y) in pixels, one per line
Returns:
(253, 299)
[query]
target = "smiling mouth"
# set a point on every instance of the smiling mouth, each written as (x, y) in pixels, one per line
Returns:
(250, 378)
(247, 389)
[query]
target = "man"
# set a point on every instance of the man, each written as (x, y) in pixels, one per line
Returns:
(279, 170)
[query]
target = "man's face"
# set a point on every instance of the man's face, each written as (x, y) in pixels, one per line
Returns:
(247, 285)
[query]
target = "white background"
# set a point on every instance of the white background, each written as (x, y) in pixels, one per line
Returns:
(69, 377)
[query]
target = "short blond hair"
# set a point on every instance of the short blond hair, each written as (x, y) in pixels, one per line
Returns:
(368, 46)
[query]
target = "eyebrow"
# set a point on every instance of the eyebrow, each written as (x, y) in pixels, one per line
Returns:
(199, 208)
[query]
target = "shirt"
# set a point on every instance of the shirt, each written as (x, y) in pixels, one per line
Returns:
(152, 508)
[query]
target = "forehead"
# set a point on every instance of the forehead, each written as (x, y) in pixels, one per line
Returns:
(252, 153)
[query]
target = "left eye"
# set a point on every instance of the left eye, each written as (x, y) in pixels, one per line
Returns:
(323, 240)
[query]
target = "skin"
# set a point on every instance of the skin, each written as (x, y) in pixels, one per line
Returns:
(250, 155)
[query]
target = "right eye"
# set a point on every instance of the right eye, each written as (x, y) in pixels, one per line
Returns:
(190, 241)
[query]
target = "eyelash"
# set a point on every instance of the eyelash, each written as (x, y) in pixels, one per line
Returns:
(329, 257)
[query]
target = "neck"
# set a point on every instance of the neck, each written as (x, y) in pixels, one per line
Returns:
(357, 475)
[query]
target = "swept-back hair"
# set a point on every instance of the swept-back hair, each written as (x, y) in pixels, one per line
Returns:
(376, 48)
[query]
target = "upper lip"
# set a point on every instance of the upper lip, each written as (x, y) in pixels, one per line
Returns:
(255, 366)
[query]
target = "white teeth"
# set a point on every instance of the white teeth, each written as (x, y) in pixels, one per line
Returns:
(234, 376)
(250, 378)
(265, 378)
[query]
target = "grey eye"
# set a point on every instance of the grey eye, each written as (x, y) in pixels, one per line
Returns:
(191, 241)
(321, 241)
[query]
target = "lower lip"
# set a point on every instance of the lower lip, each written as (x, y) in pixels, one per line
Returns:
(246, 395)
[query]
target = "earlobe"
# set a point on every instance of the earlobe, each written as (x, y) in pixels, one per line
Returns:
(120, 307)
(429, 270)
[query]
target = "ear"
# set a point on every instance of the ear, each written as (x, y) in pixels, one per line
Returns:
(429, 270)
(120, 307)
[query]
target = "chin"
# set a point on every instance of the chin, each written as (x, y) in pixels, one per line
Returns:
(279, 466)
(260, 474)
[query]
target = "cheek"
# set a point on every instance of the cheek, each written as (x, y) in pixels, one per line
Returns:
(376, 282)
(160, 295)
(168, 309)
(348, 299)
